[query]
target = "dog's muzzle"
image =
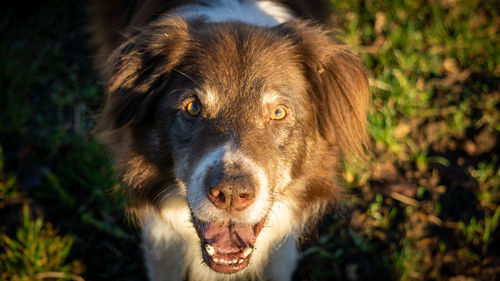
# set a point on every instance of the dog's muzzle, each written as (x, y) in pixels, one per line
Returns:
(227, 245)
(232, 194)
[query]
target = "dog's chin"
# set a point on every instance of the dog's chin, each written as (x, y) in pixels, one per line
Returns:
(227, 246)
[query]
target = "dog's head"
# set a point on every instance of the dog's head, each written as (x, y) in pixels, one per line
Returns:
(235, 117)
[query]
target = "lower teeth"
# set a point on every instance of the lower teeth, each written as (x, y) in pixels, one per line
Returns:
(230, 262)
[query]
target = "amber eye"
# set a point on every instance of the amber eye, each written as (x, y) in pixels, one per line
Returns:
(279, 112)
(193, 108)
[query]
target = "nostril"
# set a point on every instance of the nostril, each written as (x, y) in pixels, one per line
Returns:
(244, 200)
(218, 198)
(214, 192)
(232, 194)
(222, 198)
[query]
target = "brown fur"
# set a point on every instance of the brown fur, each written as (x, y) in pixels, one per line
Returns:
(111, 19)
(337, 90)
(152, 62)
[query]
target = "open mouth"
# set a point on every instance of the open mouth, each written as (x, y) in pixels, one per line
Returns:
(227, 246)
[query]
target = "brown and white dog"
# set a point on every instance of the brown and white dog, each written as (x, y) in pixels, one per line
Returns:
(229, 120)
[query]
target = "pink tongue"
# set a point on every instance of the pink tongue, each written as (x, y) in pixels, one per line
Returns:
(228, 238)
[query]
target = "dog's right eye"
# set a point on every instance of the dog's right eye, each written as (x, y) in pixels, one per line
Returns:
(193, 108)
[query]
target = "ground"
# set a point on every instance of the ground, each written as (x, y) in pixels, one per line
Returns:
(426, 208)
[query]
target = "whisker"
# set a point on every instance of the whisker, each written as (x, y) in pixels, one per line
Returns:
(168, 192)
(185, 75)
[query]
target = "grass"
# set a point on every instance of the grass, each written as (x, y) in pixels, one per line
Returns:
(427, 209)
(36, 251)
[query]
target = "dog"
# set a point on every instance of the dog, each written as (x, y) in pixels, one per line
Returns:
(229, 121)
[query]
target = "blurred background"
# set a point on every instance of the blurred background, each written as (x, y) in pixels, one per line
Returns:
(427, 209)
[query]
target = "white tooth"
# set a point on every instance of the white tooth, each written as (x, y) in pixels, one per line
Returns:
(221, 260)
(247, 251)
(235, 261)
(241, 261)
(210, 249)
(216, 260)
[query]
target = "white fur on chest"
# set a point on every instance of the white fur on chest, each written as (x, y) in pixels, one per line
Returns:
(261, 13)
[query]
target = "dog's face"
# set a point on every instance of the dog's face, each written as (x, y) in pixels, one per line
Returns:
(232, 116)
(235, 122)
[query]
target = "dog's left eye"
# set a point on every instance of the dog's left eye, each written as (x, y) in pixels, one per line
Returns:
(279, 112)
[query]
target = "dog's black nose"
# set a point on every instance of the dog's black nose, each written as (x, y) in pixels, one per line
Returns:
(232, 193)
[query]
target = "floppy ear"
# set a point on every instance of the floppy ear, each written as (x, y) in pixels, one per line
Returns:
(338, 87)
(139, 69)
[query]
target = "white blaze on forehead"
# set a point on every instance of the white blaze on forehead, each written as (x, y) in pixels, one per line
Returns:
(225, 154)
(262, 13)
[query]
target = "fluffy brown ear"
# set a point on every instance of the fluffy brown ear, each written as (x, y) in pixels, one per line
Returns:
(139, 70)
(338, 87)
